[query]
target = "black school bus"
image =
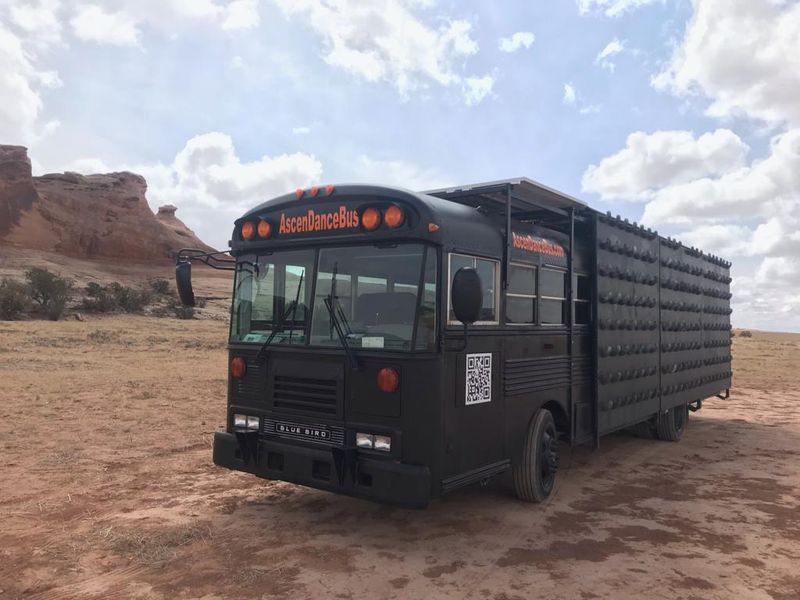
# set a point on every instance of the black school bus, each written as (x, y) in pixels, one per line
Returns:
(396, 346)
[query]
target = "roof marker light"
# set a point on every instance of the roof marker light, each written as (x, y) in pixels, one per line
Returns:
(313, 190)
(264, 228)
(329, 189)
(248, 230)
(370, 219)
(394, 216)
(433, 228)
(299, 193)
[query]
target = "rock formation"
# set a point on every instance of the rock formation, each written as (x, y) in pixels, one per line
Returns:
(86, 216)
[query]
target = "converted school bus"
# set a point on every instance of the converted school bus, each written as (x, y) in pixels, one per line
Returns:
(396, 346)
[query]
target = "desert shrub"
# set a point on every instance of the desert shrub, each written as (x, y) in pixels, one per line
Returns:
(14, 299)
(183, 312)
(746, 333)
(116, 297)
(98, 298)
(129, 299)
(160, 287)
(49, 292)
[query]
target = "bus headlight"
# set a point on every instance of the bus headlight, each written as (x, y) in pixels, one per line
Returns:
(246, 422)
(365, 440)
(383, 443)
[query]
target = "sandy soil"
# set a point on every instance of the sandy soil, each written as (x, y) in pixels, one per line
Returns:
(107, 490)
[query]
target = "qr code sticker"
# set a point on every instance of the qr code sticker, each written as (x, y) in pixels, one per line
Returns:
(479, 379)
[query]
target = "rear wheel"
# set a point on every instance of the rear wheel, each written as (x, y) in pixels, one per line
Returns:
(535, 469)
(671, 424)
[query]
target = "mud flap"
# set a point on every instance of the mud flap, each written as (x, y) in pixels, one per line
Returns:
(344, 460)
(248, 445)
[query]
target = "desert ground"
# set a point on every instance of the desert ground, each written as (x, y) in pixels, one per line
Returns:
(107, 489)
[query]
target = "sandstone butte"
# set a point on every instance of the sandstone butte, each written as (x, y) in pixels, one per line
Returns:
(85, 216)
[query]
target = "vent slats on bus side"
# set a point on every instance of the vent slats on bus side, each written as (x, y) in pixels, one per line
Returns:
(527, 375)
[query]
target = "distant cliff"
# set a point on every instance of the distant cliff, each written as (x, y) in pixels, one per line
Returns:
(86, 216)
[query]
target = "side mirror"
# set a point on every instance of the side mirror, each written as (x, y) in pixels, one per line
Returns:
(183, 279)
(467, 295)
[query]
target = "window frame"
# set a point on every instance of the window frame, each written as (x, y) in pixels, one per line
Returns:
(564, 300)
(474, 258)
(535, 297)
(576, 300)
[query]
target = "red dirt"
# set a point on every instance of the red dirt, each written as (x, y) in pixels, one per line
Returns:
(107, 489)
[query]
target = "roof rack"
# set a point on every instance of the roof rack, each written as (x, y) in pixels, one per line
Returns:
(526, 198)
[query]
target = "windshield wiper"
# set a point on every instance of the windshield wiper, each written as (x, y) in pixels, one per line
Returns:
(342, 337)
(295, 305)
(278, 327)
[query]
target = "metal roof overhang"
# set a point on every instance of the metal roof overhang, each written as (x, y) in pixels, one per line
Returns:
(528, 198)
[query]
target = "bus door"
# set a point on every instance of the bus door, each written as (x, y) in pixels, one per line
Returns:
(473, 410)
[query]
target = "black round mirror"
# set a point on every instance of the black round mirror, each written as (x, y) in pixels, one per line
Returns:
(183, 280)
(467, 295)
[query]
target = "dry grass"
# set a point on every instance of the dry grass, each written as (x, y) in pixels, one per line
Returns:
(107, 489)
(153, 548)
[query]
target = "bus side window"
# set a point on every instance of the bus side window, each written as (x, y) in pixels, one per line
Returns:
(552, 296)
(521, 295)
(487, 270)
(582, 290)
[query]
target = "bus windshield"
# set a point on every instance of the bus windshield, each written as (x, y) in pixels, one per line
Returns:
(382, 297)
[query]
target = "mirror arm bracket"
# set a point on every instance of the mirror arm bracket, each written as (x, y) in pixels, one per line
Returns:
(214, 260)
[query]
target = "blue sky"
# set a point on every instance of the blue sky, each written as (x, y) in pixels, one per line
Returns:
(678, 112)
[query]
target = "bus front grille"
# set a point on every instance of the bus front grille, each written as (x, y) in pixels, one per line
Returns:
(316, 396)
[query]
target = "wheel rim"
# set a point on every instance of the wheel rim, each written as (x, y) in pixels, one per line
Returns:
(548, 458)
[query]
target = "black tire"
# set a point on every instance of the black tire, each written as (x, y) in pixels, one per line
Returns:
(671, 424)
(534, 471)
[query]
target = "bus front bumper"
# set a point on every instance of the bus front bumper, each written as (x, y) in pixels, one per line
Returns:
(338, 471)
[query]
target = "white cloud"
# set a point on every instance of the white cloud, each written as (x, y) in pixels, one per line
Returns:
(521, 39)
(723, 240)
(121, 22)
(570, 95)
(93, 24)
(399, 173)
(611, 8)
(477, 88)
(651, 162)
(302, 130)
(744, 55)
(241, 14)
(22, 83)
(769, 187)
(386, 41)
(212, 186)
(38, 21)
(591, 109)
(604, 58)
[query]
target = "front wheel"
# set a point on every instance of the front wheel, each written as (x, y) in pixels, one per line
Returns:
(535, 469)
(671, 424)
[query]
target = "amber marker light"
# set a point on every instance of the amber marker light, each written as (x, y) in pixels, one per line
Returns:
(299, 193)
(433, 228)
(313, 190)
(238, 367)
(264, 229)
(248, 230)
(370, 219)
(394, 216)
(388, 380)
(329, 189)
